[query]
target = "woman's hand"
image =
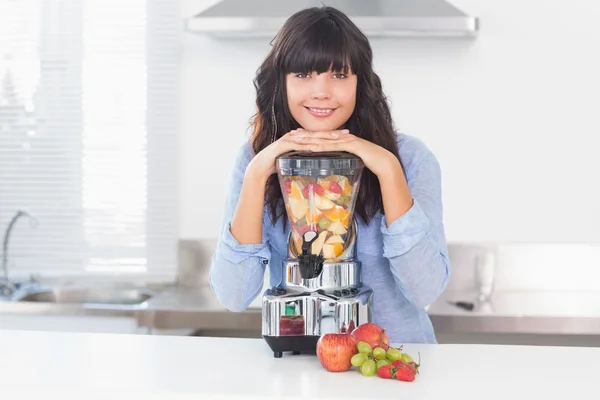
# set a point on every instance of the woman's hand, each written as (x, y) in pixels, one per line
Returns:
(376, 158)
(262, 166)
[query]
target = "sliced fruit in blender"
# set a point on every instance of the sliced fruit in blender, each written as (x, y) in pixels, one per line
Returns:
(337, 228)
(287, 186)
(316, 188)
(338, 248)
(336, 213)
(335, 239)
(328, 251)
(346, 186)
(302, 227)
(334, 187)
(323, 203)
(317, 245)
(331, 195)
(344, 200)
(299, 207)
(346, 220)
(296, 190)
(332, 250)
(327, 181)
(289, 211)
(315, 216)
(324, 223)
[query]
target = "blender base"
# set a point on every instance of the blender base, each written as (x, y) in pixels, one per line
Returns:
(295, 344)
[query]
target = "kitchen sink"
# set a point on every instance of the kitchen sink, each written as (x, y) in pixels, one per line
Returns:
(119, 296)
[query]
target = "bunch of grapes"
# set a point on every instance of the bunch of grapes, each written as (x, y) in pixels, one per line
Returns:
(369, 360)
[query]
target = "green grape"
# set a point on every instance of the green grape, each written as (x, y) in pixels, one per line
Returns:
(358, 359)
(368, 368)
(302, 222)
(406, 358)
(379, 353)
(324, 223)
(381, 363)
(394, 354)
(364, 347)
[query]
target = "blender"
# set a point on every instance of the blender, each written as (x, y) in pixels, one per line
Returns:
(321, 290)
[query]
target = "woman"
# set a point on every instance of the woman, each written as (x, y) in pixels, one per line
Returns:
(316, 91)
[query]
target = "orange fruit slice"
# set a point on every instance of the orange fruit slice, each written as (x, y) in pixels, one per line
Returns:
(347, 190)
(338, 213)
(346, 220)
(296, 192)
(337, 249)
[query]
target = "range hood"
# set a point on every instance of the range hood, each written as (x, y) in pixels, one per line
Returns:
(376, 18)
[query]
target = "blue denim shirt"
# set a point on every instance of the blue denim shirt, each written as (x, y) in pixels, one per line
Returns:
(406, 264)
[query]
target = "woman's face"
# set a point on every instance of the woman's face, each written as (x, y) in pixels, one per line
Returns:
(321, 102)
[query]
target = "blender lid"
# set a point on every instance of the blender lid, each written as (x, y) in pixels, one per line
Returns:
(323, 164)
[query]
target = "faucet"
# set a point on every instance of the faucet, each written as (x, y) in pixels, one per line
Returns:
(6, 287)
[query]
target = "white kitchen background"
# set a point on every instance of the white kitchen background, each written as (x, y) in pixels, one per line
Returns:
(118, 131)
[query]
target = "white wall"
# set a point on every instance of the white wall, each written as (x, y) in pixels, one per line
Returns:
(509, 116)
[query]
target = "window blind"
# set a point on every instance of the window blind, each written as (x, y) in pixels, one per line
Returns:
(88, 129)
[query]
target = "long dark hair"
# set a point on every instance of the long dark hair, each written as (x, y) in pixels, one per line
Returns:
(320, 39)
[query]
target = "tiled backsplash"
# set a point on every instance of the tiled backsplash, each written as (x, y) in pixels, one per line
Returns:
(518, 266)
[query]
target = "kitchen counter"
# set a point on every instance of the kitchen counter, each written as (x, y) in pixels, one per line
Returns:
(521, 312)
(548, 313)
(87, 365)
(187, 308)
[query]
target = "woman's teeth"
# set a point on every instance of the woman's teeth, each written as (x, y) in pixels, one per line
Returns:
(323, 111)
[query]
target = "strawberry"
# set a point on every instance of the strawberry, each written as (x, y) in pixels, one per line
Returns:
(335, 187)
(386, 371)
(412, 366)
(287, 186)
(404, 373)
(318, 189)
(415, 366)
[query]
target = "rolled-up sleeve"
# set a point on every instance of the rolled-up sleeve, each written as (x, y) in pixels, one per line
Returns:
(237, 270)
(415, 243)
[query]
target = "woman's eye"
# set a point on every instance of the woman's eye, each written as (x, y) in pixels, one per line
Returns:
(339, 76)
(302, 75)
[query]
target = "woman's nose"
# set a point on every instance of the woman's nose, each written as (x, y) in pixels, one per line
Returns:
(320, 88)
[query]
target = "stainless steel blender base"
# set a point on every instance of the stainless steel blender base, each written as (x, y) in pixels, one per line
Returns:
(293, 319)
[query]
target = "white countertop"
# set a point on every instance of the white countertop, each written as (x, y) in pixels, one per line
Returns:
(79, 364)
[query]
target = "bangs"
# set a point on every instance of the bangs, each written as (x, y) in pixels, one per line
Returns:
(320, 48)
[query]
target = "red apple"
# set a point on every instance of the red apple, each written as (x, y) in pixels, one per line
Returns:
(373, 334)
(335, 187)
(335, 350)
(318, 189)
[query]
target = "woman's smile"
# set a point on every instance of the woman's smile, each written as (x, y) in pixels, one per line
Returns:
(320, 112)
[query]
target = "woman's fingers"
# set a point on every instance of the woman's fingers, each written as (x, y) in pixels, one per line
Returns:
(299, 134)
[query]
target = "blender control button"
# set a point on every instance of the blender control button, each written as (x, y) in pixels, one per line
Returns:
(280, 291)
(354, 291)
(337, 293)
(345, 292)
